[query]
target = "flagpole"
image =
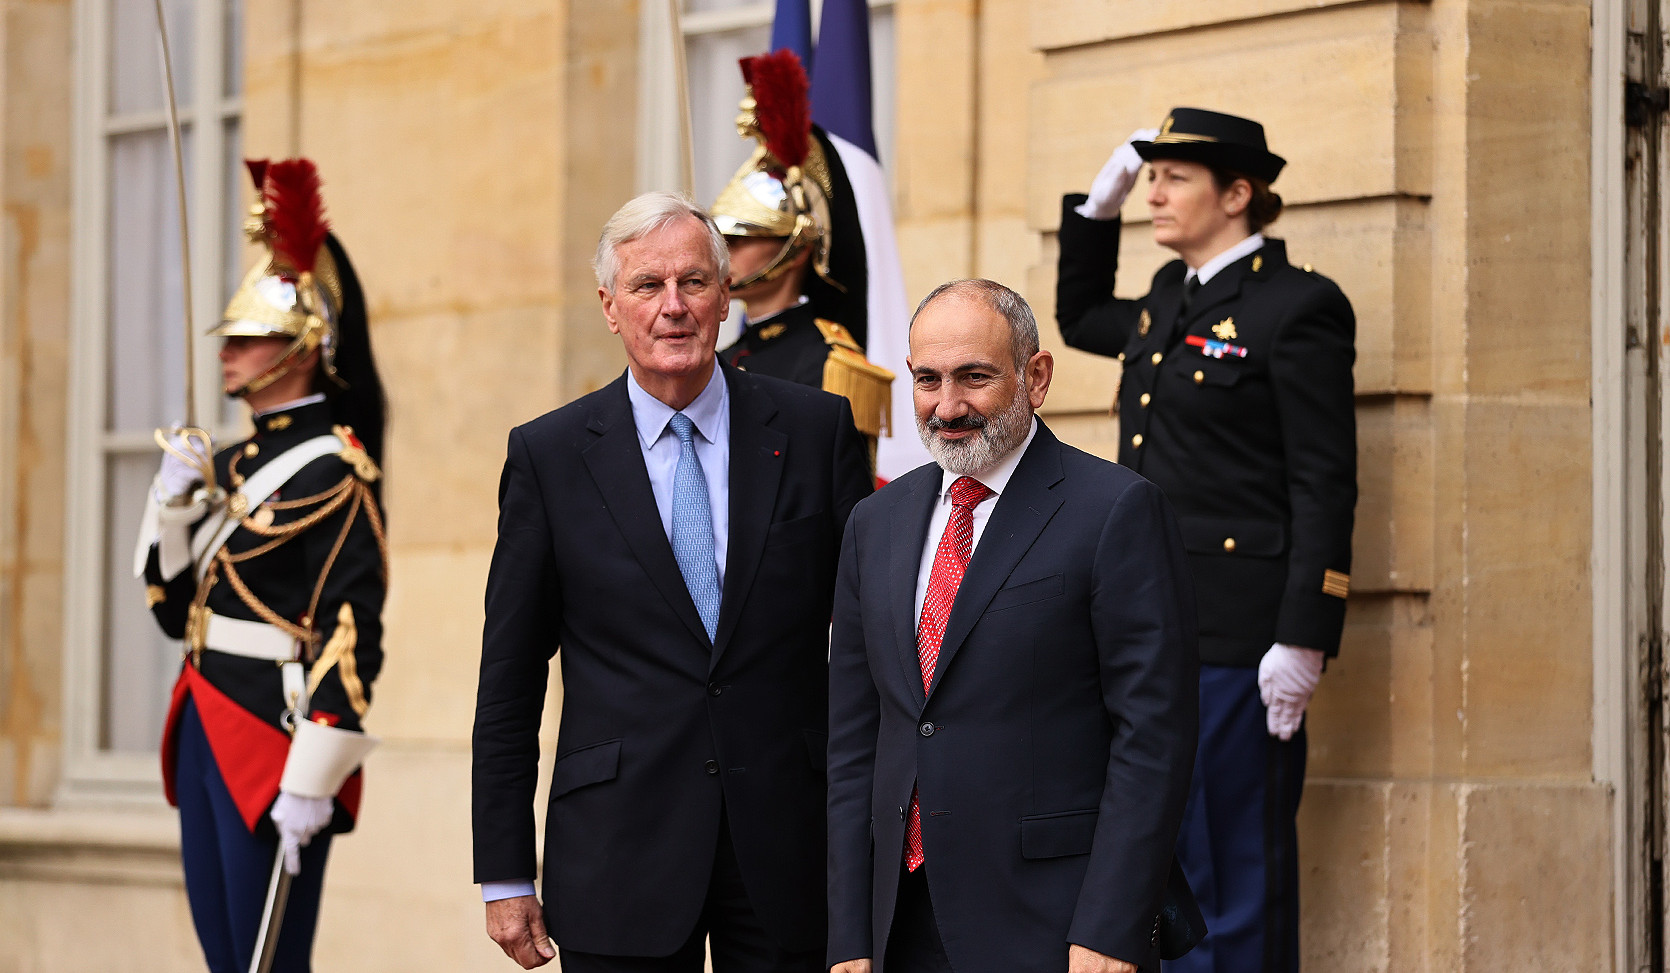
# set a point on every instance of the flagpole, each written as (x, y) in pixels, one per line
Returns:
(686, 139)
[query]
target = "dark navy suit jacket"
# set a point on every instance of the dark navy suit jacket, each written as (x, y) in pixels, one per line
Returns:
(1053, 750)
(662, 730)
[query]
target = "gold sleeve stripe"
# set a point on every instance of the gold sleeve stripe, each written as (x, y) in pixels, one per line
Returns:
(339, 652)
(1336, 583)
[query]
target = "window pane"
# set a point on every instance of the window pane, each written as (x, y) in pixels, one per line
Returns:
(139, 662)
(715, 91)
(136, 60)
(146, 320)
(232, 57)
(883, 73)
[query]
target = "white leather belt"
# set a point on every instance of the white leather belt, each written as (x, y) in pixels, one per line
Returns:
(252, 640)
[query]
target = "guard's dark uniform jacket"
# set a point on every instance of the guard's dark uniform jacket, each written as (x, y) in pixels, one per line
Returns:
(1242, 412)
(786, 345)
(311, 560)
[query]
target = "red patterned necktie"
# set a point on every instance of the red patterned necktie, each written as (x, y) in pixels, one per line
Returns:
(950, 561)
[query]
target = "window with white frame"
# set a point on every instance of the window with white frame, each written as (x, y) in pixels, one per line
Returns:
(716, 33)
(129, 365)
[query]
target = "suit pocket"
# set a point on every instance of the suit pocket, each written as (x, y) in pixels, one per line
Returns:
(1234, 536)
(798, 530)
(592, 764)
(1026, 593)
(817, 750)
(1221, 372)
(1059, 834)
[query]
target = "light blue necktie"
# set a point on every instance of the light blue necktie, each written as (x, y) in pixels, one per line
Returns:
(693, 527)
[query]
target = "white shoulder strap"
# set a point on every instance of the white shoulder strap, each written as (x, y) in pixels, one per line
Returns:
(261, 485)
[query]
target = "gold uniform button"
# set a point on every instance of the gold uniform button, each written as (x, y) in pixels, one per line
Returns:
(251, 450)
(1229, 543)
(1200, 377)
(1155, 358)
(1145, 398)
(1308, 268)
(1136, 440)
(1121, 356)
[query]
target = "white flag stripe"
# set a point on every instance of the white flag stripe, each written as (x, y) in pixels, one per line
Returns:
(889, 338)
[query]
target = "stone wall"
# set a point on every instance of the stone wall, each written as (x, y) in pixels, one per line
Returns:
(1438, 171)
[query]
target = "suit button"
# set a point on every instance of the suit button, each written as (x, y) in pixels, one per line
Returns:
(714, 689)
(926, 729)
(1136, 440)
(1155, 358)
(1200, 377)
(1121, 357)
(712, 766)
(1229, 543)
(1146, 398)
(901, 814)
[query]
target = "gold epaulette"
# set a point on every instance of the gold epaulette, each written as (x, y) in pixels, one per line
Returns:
(355, 455)
(868, 386)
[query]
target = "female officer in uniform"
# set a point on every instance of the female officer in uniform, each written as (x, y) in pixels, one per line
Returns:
(1236, 400)
(268, 559)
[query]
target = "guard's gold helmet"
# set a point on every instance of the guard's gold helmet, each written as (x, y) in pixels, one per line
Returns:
(293, 291)
(784, 189)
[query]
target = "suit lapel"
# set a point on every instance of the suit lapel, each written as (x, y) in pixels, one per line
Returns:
(758, 453)
(616, 463)
(1164, 300)
(908, 527)
(1022, 511)
(1224, 286)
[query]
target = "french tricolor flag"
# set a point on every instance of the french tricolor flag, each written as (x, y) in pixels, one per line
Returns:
(841, 105)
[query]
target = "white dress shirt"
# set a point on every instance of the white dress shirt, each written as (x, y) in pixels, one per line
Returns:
(710, 413)
(286, 406)
(996, 480)
(1210, 268)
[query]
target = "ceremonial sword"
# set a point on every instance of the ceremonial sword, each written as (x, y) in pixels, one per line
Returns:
(198, 452)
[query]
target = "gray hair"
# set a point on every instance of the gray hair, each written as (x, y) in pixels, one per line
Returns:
(643, 215)
(1023, 327)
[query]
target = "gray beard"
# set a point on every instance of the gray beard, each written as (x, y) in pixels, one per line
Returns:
(999, 435)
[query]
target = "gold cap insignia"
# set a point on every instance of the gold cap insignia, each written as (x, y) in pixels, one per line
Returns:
(1166, 128)
(1225, 330)
(1144, 322)
(1258, 263)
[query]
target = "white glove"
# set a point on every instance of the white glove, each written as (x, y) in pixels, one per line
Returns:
(1115, 180)
(176, 477)
(298, 819)
(1287, 675)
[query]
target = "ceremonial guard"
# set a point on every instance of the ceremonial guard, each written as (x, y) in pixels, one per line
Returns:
(797, 249)
(1236, 400)
(268, 558)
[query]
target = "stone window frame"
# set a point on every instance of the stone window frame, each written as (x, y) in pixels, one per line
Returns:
(94, 773)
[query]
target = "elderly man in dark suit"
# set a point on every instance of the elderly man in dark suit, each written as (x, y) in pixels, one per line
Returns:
(675, 534)
(1012, 682)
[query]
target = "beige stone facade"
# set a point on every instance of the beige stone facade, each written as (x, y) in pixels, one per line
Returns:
(1439, 169)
